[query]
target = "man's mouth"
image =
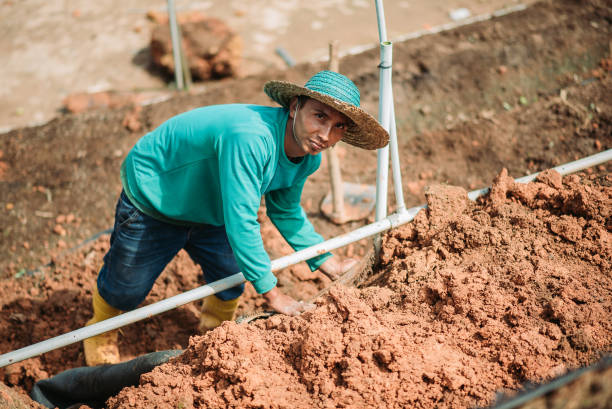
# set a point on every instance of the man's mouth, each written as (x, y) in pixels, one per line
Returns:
(315, 146)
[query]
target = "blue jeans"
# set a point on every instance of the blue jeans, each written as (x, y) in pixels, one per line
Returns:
(142, 246)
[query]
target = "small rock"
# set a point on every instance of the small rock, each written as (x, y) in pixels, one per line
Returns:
(18, 317)
(425, 110)
(59, 230)
(551, 178)
(273, 322)
(3, 169)
(81, 102)
(131, 121)
(459, 14)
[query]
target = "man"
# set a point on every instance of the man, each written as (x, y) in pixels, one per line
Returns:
(196, 182)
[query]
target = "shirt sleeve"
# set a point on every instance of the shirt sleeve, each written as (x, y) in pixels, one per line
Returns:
(284, 209)
(242, 163)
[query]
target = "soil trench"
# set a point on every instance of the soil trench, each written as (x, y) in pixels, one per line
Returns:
(469, 299)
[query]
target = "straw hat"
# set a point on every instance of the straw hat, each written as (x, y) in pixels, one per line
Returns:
(340, 93)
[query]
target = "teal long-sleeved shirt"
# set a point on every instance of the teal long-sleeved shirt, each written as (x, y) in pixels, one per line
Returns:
(211, 166)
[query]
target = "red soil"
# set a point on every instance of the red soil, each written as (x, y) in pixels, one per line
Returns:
(469, 299)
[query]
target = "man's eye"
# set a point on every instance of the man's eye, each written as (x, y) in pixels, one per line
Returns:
(341, 126)
(320, 115)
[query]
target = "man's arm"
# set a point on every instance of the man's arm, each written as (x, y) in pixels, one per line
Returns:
(284, 209)
(241, 167)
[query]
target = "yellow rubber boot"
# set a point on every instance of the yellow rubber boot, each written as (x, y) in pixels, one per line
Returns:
(102, 349)
(215, 311)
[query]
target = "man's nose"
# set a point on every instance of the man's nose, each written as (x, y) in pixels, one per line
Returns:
(324, 133)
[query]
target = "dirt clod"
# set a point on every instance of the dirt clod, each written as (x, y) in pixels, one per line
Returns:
(212, 49)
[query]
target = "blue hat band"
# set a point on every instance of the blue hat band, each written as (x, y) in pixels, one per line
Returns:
(336, 86)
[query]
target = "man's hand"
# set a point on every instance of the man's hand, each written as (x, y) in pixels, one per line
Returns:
(333, 268)
(284, 304)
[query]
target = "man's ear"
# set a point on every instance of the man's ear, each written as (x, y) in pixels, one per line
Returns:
(292, 106)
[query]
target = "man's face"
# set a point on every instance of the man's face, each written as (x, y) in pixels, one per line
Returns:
(317, 126)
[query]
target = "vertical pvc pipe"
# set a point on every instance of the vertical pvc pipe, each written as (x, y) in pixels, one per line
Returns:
(395, 161)
(382, 179)
(384, 116)
(176, 53)
(380, 15)
(382, 169)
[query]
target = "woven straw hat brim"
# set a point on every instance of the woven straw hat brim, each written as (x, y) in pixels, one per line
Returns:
(365, 132)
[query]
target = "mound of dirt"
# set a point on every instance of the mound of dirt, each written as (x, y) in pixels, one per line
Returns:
(470, 298)
(212, 49)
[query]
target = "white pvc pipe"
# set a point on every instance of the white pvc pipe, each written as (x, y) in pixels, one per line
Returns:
(394, 220)
(176, 52)
(121, 320)
(382, 155)
(395, 162)
(564, 169)
(384, 117)
(380, 16)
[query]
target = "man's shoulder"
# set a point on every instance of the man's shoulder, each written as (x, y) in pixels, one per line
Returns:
(246, 111)
(245, 117)
(250, 123)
